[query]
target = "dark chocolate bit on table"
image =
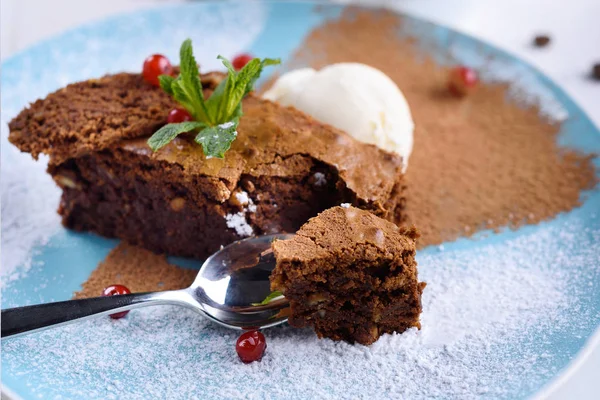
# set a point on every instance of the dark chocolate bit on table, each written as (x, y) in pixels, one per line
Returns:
(596, 71)
(541, 40)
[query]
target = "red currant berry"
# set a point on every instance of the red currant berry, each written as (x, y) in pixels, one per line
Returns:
(241, 60)
(178, 115)
(461, 80)
(116, 290)
(251, 346)
(154, 66)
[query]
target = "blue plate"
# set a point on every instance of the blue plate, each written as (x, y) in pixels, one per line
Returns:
(169, 353)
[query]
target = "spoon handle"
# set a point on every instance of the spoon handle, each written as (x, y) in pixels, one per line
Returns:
(20, 320)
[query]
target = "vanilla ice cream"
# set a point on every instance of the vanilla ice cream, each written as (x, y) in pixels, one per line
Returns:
(356, 98)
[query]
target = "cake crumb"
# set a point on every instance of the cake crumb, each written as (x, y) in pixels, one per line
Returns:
(345, 205)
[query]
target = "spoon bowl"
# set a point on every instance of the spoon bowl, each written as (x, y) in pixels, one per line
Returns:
(228, 290)
(233, 282)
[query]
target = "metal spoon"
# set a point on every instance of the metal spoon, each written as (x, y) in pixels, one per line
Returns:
(226, 290)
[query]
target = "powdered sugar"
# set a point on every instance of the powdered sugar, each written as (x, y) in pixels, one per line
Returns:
(242, 197)
(246, 201)
(491, 315)
(238, 222)
(226, 125)
(320, 179)
(28, 216)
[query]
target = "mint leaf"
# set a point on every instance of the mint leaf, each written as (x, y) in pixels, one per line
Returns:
(217, 102)
(187, 87)
(182, 98)
(264, 63)
(240, 89)
(270, 61)
(167, 133)
(272, 296)
(228, 97)
(227, 65)
(237, 113)
(214, 101)
(216, 140)
(165, 83)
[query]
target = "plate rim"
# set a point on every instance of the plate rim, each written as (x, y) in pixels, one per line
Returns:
(592, 343)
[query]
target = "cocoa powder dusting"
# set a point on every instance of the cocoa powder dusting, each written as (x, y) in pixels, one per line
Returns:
(479, 162)
(138, 269)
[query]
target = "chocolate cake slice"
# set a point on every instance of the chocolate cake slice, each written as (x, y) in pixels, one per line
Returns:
(283, 168)
(350, 275)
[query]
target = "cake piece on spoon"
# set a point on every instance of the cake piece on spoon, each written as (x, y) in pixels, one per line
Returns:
(350, 275)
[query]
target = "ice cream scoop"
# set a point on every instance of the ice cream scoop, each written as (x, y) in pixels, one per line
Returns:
(356, 98)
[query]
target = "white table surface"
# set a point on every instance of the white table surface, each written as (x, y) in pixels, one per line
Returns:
(573, 26)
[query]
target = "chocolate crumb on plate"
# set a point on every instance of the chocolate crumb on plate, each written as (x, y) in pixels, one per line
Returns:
(596, 71)
(541, 40)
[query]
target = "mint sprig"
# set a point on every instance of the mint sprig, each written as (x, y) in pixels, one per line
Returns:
(272, 296)
(216, 118)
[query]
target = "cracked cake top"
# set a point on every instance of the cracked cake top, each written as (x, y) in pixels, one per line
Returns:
(122, 111)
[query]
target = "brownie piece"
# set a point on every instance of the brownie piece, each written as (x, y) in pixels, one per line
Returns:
(350, 275)
(283, 168)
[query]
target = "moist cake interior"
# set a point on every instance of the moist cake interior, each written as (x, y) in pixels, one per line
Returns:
(118, 193)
